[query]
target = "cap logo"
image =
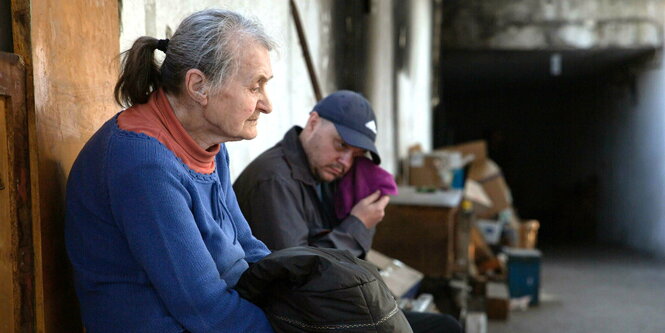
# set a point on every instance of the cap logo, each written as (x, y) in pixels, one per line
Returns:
(371, 125)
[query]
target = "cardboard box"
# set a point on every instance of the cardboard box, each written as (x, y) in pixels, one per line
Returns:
(421, 236)
(498, 191)
(497, 304)
(482, 171)
(402, 280)
(497, 308)
(441, 169)
(476, 148)
(489, 176)
(474, 192)
(421, 171)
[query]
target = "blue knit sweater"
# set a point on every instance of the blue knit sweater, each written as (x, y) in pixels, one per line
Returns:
(155, 246)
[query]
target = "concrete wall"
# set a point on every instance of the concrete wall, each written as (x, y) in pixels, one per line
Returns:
(531, 24)
(380, 85)
(634, 212)
(414, 76)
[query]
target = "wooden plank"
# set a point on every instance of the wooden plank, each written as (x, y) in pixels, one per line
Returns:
(16, 229)
(419, 236)
(7, 297)
(70, 83)
(20, 15)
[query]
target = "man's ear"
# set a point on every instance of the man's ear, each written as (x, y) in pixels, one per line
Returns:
(196, 86)
(313, 121)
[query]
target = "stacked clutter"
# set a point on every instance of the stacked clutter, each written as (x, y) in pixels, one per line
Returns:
(404, 282)
(497, 265)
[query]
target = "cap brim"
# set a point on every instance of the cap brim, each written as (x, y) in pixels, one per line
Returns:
(357, 139)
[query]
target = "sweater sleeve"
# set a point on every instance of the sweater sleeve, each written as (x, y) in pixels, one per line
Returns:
(152, 208)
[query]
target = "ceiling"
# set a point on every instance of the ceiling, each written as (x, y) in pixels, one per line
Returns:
(471, 69)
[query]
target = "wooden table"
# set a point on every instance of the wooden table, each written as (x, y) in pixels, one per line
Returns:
(419, 231)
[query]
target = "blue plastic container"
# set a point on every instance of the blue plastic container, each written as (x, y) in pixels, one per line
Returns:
(524, 273)
(458, 179)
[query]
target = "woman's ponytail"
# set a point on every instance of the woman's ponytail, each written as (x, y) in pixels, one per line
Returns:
(209, 40)
(139, 73)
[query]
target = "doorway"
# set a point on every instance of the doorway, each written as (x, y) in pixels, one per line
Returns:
(548, 128)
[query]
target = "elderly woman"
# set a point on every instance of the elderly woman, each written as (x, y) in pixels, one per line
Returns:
(153, 229)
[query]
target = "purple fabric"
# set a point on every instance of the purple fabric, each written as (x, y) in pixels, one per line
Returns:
(363, 179)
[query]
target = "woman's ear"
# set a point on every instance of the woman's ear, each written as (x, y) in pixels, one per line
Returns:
(196, 86)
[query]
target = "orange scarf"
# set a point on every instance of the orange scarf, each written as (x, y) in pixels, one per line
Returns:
(157, 119)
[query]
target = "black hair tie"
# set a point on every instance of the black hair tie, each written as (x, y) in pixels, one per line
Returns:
(163, 44)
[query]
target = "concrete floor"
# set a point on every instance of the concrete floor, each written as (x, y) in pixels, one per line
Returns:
(594, 289)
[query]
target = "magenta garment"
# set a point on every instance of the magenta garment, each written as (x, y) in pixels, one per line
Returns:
(363, 179)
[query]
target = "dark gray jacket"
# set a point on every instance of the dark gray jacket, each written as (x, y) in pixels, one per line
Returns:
(277, 194)
(306, 289)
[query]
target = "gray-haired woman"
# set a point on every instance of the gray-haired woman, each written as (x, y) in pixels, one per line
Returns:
(153, 229)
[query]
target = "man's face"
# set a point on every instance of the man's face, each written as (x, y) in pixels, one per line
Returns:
(234, 110)
(329, 156)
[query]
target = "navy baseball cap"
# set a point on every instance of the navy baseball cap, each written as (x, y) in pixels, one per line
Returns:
(353, 118)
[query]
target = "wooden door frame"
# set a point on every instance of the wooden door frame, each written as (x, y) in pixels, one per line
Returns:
(20, 245)
(22, 43)
(34, 23)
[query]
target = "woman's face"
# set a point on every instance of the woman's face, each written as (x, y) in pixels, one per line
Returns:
(234, 110)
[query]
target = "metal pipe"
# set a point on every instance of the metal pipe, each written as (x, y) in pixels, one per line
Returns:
(305, 51)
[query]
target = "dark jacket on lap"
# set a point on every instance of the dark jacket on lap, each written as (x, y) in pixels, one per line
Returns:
(306, 289)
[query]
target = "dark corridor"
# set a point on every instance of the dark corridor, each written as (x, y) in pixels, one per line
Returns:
(549, 132)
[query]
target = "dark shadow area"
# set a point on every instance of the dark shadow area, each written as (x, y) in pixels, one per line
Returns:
(547, 132)
(6, 40)
(350, 45)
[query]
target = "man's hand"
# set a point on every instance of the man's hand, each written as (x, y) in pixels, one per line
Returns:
(370, 210)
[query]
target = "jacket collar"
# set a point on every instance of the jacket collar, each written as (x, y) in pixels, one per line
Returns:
(296, 158)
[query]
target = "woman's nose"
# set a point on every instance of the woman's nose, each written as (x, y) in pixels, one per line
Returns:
(264, 105)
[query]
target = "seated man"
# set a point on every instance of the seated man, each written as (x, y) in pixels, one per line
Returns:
(286, 192)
